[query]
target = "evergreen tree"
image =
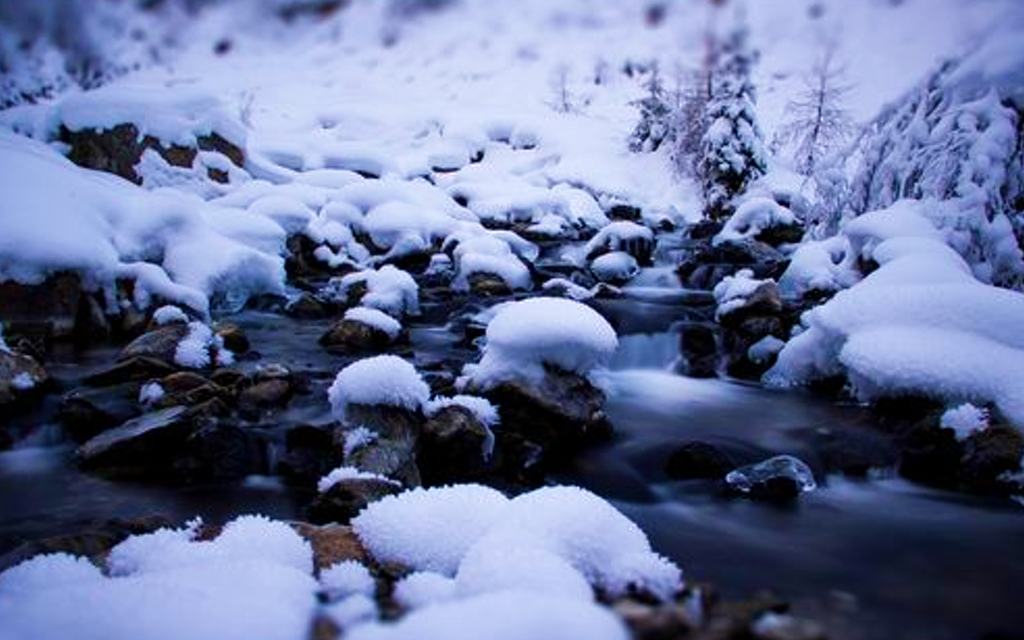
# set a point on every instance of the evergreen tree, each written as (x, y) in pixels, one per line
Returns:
(656, 114)
(732, 150)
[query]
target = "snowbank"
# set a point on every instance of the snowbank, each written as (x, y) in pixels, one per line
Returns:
(252, 582)
(526, 335)
(920, 324)
(60, 217)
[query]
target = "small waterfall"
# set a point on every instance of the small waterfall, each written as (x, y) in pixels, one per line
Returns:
(658, 351)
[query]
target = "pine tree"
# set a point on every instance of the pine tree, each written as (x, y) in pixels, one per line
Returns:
(732, 151)
(655, 125)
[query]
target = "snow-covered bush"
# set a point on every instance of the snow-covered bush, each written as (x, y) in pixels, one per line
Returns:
(957, 137)
(381, 380)
(525, 336)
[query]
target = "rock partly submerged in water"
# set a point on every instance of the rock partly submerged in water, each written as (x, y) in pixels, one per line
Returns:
(777, 479)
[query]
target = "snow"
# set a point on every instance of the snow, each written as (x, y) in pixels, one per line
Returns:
(526, 335)
(151, 393)
(617, 266)
(482, 408)
(560, 540)
(357, 438)
(23, 381)
(376, 319)
(615, 236)
(965, 420)
(423, 588)
(167, 585)
(193, 350)
(752, 217)
(169, 314)
(732, 292)
(388, 289)
(825, 266)
(381, 380)
(348, 578)
(343, 473)
(489, 254)
(921, 324)
(352, 610)
(507, 615)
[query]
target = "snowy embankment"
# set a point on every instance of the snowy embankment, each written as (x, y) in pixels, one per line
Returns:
(919, 325)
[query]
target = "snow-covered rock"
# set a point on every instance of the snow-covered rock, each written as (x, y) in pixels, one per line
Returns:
(382, 380)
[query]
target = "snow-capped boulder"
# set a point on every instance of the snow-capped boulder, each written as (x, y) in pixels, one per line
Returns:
(387, 289)
(762, 219)
(346, 491)
(363, 330)
(623, 235)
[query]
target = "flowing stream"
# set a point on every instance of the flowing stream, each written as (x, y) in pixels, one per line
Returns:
(876, 558)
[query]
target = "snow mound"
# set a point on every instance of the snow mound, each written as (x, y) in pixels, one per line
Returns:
(617, 266)
(507, 615)
(169, 314)
(564, 541)
(167, 585)
(423, 588)
(173, 246)
(752, 217)
(824, 266)
(429, 529)
(489, 254)
(732, 292)
(348, 578)
(919, 325)
(526, 335)
(381, 380)
(617, 236)
(388, 289)
(376, 319)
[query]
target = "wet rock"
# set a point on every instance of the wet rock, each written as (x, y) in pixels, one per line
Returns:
(309, 307)
(227, 378)
(562, 414)
(391, 458)
(699, 347)
(853, 451)
(931, 455)
(455, 446)
(987, 455)
(704, 229)
(780, 478)
(233, 337)
(332, 543)
(656, 621)
(764, 302)
(135, 368)
(389, 422)
(22, 379)
(93, 543)
(694, 460)
(87, 412)
(189, 388)
(708, 263)
(488, 285)
(348, 497)
(624, 212)
(57, 309)
(311, 452)
(779, 234)
(354, 337)
(176, 444)
(265, 394)
(160, 344)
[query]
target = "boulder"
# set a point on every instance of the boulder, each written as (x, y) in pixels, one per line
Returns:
(88, 411)
(346, 498)
(57, 309)
(354, 337)
(134, 368)
(988, 454)
(22, 379)
(709, 263)
(310, 452)
(232, 337)
(159, 344)
(455, 446)
(561, 415)
(699, 347)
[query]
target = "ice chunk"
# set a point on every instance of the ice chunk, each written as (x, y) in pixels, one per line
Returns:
(791, 471)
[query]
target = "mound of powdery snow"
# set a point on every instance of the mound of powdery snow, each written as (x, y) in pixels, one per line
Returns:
(921, 324)
(564, 541)
(381, 380)
(253, 582)
(526, 335)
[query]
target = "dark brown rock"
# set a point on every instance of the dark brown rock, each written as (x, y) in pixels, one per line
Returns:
(699, 460)
(931, 455)
(265, 394)
(160, 344)
(353, 337)
(987, 455)
(453, 447)
(311, 452)
(332, 543)
(233, 337)
(135, 368)
(89, 411)
(488, 285)
(21, 379)
(347, 498)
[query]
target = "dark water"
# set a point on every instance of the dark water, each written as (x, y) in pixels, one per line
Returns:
(874, 559)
